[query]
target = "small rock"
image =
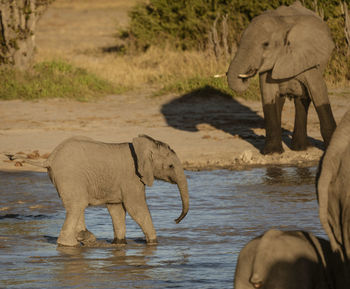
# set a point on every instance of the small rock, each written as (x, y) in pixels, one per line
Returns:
(34, 155)
(247, 156)
(45, 156)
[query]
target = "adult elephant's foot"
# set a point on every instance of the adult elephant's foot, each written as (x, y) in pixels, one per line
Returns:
(119, 241)
(272, 147)
(86, 237)
(298, 145)
(67, 241)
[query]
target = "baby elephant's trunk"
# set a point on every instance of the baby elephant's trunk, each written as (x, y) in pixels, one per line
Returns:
(183, 188)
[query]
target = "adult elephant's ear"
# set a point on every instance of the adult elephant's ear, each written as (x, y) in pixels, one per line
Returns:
(142, 147)
(307, 44)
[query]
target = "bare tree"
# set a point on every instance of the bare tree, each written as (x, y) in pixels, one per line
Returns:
(318, 9)
(17, 30)
(218, 39)
(214, 41)
(345, 11)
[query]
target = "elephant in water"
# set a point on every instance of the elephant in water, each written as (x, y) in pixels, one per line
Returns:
(333, 189)
(87, 172)
(288, 260)
(289, 47)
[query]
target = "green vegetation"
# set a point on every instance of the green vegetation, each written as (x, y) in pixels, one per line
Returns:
(186, 24)
(54, 79)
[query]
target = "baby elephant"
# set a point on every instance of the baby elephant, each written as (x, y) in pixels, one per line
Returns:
(86, 173)
(288, 260)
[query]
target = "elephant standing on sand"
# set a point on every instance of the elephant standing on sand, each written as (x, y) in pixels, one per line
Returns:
(87, 172)
(288, 260)
(333, 189)
(289, 47)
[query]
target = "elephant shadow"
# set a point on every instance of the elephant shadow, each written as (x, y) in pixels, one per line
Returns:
(211, 106)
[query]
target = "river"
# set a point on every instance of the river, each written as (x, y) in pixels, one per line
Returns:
(227, 209)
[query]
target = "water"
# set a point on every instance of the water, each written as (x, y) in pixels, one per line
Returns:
(227, 209)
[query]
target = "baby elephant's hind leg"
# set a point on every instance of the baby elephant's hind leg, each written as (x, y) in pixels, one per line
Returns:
(75, 204)
(67, 235)
(82, 233)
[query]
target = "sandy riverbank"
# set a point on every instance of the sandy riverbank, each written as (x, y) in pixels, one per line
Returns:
(206, 132)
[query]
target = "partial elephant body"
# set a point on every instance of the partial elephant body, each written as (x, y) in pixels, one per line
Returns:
(87, 172)
(288, 260)
(333, 189)
(289, 47)
(94, 168)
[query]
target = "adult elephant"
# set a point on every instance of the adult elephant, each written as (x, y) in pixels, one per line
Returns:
(289, 260)
(333, 189)
(289, 47)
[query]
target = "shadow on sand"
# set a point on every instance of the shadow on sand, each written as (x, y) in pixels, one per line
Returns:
(211, 106)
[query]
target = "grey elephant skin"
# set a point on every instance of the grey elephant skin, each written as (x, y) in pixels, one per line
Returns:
(288, 260)
(333, 189)
(289, 47)
(86, 172)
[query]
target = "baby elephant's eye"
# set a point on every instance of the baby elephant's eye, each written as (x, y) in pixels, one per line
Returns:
(171, 166)
(265, 44)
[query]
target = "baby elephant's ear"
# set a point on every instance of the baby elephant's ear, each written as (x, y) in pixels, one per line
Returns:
(142, 147)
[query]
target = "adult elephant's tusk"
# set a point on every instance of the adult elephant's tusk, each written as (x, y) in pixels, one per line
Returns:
(248, 75)
(219, 75)
(243, 75)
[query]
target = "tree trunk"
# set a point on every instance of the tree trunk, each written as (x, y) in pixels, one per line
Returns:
(344, 7)
(17, 31)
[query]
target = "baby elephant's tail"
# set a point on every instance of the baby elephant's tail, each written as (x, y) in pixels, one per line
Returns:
(44, 164)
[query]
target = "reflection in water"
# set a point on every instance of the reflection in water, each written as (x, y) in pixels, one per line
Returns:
(227, 208)
(86, 268)
(285, 176)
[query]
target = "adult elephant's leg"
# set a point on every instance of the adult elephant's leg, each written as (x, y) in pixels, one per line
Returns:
(137, 208)
(272, 107)
(318, 93)
(82, 233)
(299, 140)
(117, 212)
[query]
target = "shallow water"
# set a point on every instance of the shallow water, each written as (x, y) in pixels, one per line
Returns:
(227, 209)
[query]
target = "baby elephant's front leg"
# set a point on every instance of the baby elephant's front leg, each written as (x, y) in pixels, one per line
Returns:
(117, 212)
(138, 210)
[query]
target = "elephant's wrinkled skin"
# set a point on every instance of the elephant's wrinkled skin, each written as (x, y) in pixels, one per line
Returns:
(87, 172)
(289, 47)
(288, 260)
(333, 189)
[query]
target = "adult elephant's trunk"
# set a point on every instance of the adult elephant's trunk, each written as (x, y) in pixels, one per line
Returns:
(235, 82)
(183, 188)
(244, 66)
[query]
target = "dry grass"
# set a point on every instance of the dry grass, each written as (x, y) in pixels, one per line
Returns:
(156, 67)
(95, 4)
